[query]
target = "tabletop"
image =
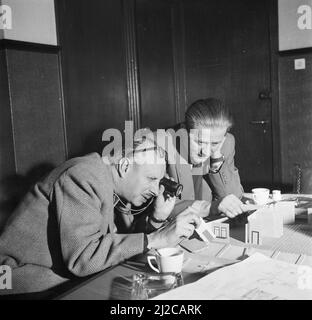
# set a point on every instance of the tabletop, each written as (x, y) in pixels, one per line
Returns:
(200, 258)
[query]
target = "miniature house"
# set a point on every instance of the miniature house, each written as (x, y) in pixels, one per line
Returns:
(266, 222)
(217, 229)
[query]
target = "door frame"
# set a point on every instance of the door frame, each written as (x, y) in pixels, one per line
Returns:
(276, 143)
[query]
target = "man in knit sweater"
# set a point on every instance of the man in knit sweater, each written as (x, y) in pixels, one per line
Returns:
(65, 226)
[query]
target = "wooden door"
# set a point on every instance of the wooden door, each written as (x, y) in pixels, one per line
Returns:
(227, 55)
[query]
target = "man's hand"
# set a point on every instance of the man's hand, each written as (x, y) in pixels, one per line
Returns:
(231, 206)
(163, 207)
(181, 227)
(201, 207)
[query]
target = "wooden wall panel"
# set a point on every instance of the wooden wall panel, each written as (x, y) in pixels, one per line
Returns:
(207, 44)
(36, 108)
(156, 68)
(221, 43)
(94, 71)
(7, 161)
(295, 113)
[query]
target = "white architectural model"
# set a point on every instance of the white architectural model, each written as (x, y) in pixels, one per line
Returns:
(265, 222)
(217, 229)
(268, 221)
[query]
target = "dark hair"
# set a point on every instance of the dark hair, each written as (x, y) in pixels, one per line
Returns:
(208, 113)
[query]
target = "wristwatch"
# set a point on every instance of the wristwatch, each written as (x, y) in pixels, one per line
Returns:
(214, 160)
(157, 220)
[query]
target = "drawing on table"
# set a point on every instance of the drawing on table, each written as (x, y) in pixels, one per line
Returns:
(258, 277)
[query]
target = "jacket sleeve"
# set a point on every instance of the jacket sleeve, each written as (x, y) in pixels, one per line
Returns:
(227, 180)
(87, 245)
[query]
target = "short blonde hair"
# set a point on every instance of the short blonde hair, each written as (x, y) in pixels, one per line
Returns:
(208, 113)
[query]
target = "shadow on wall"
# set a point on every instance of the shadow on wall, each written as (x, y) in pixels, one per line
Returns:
(14, 187)
(90, 143)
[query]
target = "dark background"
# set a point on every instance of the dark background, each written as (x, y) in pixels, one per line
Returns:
(147, 60)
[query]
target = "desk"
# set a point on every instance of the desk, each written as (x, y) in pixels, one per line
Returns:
(201, 259)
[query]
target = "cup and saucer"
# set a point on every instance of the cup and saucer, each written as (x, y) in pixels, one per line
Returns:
(261, 196)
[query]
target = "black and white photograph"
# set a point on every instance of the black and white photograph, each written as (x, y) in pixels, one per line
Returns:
(156, 150)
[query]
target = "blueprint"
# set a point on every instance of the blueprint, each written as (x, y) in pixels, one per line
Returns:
(256, 278)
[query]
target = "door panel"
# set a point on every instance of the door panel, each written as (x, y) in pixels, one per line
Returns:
(94, 71)
(227, 56)
(36, 110)
(155, 56)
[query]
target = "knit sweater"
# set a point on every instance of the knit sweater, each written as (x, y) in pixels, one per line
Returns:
(65, 227)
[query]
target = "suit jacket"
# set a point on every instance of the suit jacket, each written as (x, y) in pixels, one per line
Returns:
(65, 228)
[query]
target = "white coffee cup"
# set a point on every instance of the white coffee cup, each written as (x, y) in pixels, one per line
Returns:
(168, 260)
(276, 195)
(260, 195)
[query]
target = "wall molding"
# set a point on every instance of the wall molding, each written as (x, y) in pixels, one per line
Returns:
(275, 115)
(132, 63)
(178, 53)
(57, 6)
(28, 46)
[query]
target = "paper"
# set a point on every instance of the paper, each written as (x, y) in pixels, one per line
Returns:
(256, 278)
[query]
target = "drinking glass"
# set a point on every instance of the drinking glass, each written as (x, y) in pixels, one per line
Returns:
(147, 286)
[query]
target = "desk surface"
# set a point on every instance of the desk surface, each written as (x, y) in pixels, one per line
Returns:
(295, 246)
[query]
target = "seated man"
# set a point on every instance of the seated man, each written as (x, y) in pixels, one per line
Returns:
(207, 149)
(65, 226)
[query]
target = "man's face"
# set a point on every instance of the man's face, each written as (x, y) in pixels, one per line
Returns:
(203, 142)
(143, 181)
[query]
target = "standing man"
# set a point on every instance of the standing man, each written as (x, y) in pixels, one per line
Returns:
(66, 225)
(206, 167)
